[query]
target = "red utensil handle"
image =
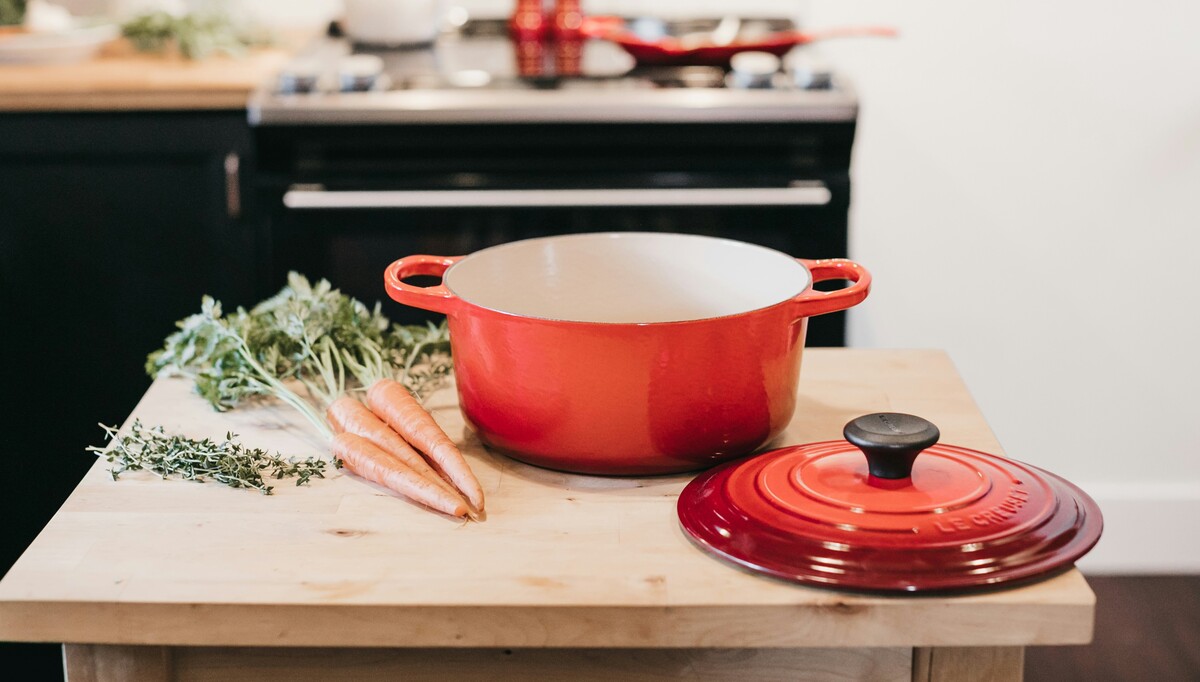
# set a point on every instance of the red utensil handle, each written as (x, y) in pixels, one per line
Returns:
(436, 298)
(813, 302)
(600, 26)
(804, 37)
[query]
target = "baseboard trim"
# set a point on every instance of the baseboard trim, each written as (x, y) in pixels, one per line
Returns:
(1149, 528)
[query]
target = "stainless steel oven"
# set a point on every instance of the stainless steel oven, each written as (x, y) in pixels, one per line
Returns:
(348, 181)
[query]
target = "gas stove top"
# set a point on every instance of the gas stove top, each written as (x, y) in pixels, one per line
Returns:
(477, 73)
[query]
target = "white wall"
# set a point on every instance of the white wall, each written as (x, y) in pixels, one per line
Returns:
(1027, 180)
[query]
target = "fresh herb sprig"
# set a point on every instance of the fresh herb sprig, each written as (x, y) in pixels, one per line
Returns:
(308, 338)
(416, 356)
(12, 12)
(308, 334)
(229, 361)
(228, 462)
(194, 35)
(313, 326)
(421, 356)
(329, 335)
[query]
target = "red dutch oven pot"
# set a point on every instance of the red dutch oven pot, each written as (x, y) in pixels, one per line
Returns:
(627, 353)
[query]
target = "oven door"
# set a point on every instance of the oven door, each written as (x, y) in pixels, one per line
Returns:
(344, 201)
(350, 234)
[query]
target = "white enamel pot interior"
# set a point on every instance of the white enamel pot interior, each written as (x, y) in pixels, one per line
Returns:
(626, 277)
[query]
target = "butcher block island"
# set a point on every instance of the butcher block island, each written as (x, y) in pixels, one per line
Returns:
(121, 79)
(568, 576)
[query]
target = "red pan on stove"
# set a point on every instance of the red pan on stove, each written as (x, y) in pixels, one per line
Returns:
(675, 52)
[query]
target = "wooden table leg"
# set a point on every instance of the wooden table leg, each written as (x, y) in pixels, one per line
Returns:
(969, 664)
(103, 662)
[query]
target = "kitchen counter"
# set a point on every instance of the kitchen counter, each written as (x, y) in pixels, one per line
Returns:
(121, 79)
(569, 574)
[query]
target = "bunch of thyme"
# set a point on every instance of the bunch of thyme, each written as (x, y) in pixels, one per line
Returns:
(228, 462)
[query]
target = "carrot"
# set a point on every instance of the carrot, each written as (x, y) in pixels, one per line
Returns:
(365, 459)
(400, 410)
(349, 414)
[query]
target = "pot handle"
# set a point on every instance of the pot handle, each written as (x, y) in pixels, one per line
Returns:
(813, 302)
(436, 298)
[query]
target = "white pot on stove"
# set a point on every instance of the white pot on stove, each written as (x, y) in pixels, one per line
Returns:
(392, 22)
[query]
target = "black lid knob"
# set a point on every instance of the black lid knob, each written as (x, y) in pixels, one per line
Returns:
(891, 441)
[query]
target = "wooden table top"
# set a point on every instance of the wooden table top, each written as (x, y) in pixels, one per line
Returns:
(561, 561)
(121, 79)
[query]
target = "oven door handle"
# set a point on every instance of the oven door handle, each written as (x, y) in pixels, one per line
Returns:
(799, 193)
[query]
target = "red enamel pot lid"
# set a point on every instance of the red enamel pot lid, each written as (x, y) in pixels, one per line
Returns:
(890, 510)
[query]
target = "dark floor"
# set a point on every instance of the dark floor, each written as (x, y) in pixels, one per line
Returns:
(1147, 628)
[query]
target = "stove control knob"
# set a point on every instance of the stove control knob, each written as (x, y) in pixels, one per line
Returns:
(299, 76)
(358, 72)
(753, 69)
(809, 72)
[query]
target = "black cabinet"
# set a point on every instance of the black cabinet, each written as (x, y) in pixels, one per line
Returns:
(112, 227)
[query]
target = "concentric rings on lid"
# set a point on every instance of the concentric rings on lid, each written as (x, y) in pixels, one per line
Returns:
(948, 519)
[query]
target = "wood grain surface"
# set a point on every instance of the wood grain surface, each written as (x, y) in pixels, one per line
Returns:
(95, 663)
(968, 664)
(562, 560)
(91, 663)
(120, 79)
